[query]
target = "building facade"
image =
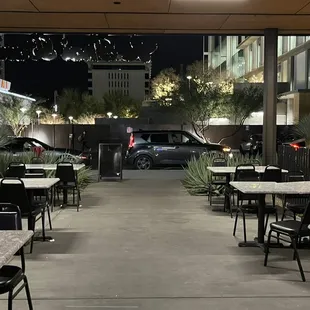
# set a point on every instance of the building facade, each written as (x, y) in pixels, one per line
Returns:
(131, 78)
(2, 62)
(242, 58)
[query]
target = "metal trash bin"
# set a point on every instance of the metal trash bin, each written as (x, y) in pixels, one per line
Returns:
(110, 161)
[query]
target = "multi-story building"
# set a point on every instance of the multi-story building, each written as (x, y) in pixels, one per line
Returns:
(2, 62)
(131, 78)
(242, 58)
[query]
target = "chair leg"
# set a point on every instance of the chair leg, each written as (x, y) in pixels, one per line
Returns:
(283, 214)
(78, 200)
(73, 196)
(33, 228)
(244, 226)
(298, 259)
(10, 300)
(49, 216)
(266, 224)
(294, 216)
(267, 248)
(210, 195)
(43, 223)
(236, 221)
(28, 293)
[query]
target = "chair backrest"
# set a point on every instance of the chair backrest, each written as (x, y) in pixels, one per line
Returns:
(36, 173)
(272, 173)
(16, 169)
(37, 160)
(295, 176)
(219, 162)
(12, 190)
(243, 167)
(306, 216)
(65, 172)
(10, 217)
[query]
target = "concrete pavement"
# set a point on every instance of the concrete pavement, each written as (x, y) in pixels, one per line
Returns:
(147, 244)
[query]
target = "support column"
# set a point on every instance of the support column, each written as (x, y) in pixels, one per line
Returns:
(270, 96)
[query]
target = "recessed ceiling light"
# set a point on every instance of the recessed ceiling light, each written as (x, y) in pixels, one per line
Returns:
(117, 2)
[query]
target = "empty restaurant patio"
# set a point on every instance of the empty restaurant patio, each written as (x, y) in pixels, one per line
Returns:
(147, 244)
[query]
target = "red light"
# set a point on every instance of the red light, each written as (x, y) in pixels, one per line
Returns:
(131, 141)
(295, 146)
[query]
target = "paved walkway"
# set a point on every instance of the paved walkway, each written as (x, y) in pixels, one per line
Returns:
(147, 244)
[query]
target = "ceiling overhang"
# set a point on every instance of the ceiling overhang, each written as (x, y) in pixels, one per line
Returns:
(156, 16)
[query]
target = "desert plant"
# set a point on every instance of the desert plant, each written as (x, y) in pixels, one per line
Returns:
(85, 119)
(48, 119)
(302, 129)
(197, 176)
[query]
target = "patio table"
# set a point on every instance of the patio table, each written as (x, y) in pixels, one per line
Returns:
(51, 167)
(33, 184)
(228, 171)
(262, 189)
(11, 241)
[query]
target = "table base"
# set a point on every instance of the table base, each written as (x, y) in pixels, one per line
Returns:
(47, 239)
(256, 244)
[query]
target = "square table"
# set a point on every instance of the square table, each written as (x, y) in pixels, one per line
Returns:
(11, 241)
(262, 189)
(228, 171)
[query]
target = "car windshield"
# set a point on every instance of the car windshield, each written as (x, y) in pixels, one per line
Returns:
(194, 137)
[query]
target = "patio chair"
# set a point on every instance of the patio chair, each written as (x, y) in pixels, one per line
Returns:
(68, 181)
(272, 173)
(217, 179)
(16, 169)
(41, 195)
(248, 208)
(293, 229)
(294, 204)
(12, 276)
(12, 190)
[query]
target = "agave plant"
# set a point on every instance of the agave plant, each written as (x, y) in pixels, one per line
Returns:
(302, 129)
(197, 176)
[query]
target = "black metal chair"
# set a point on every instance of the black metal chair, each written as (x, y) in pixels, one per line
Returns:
(12, 276)
(41, 195)
(217, 179)
(248, 208)
(68, 181)
(272, 173)
(294, 204)
(16, 169)
(293, 229)
(12, 190)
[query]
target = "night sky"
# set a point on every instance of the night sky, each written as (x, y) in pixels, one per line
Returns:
(41, 78)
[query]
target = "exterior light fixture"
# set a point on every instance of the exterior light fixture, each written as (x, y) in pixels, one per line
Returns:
(109, 114)
(115, 116)
(70, 119)
(189, 77)
(38, 113)
(54, 116)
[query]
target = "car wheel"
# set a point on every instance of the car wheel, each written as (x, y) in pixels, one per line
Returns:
(143, 162)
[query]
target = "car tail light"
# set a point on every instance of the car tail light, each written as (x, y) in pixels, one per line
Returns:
(131, 141)
(295, 146)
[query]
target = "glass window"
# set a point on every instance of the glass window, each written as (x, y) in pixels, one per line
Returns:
(160, 138)
(300, 70)
(284, 44)
(180, 138)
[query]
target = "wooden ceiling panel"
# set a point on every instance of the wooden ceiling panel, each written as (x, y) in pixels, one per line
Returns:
(16, 5)
(305, 9)
(134, 6)
(52, 20)
(289, 22)
(165, 21)
(238, 6)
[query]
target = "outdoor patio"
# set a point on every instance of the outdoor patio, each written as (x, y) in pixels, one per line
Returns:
(147, 244)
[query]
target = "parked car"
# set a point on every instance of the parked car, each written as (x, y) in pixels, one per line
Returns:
(171, 147)
(18, 145)
(254, 145)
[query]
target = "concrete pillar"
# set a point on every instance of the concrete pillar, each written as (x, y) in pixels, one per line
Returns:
(270, 96)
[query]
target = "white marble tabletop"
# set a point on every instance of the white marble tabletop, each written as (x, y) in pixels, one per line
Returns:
(230, 170)
(288, 188)
(38, 183)
(10, 242)
(50, 167)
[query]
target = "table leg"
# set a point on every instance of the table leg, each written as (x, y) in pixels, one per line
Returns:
(65, 195)
(227, 205)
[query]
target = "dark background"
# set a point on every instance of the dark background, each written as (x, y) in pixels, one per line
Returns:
(41, 78)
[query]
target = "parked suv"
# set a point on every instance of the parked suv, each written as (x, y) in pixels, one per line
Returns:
(172, 147)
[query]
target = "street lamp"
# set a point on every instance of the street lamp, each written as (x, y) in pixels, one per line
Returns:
(189, 81)
(109, 114)
(70, 119)
(38, 113)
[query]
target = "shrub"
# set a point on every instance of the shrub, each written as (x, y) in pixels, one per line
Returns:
(197, 176)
